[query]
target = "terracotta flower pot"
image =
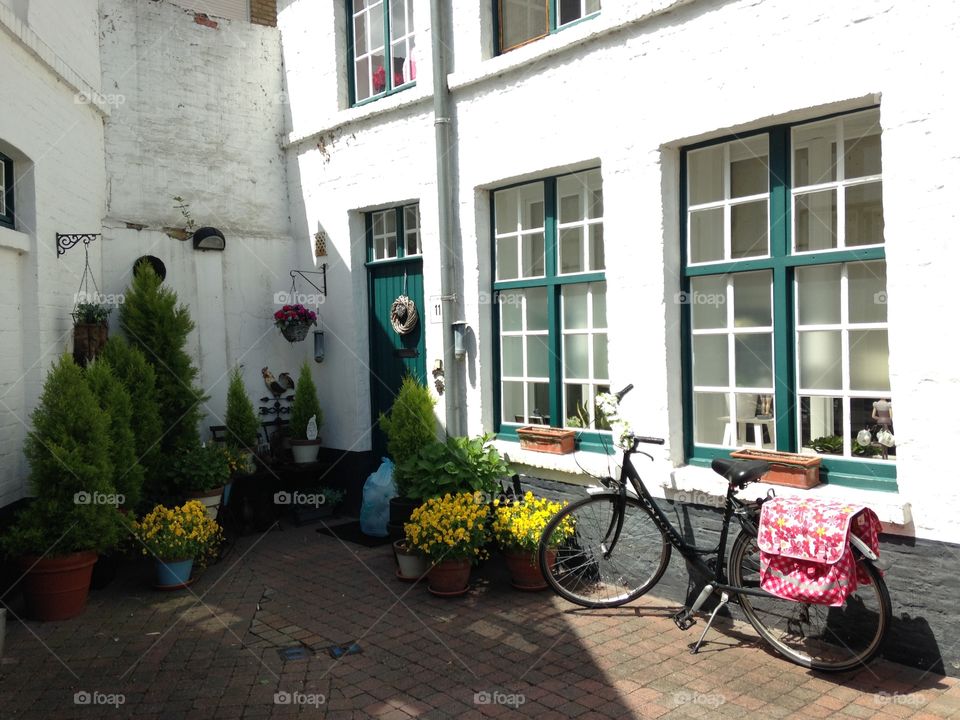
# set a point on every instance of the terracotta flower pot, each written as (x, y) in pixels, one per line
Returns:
(56, 588)
(524, 569)
(449, 578)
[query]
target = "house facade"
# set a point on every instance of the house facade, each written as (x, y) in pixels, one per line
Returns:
(743, 209)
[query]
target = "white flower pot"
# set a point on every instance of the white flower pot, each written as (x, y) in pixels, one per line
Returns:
(305, 451)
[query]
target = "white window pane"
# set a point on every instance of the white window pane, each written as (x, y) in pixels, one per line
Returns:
(398, 19)
(538, 403)
(753, 355)
(507, 268)
(513, 402)
(577, 405)
(594, 193)
(379, 78)
(597, 250)
(592, 6)
(864, 214)
(749, 167)
(598, 291)
(867, 288)
(861, 144)
(505, 202)
(510, 310)
(818, 298)
(360, 34)
(391, 245)
(362, 75)
(815, 221)
(749, 226)
(708, 301)
(571, 250)
(869, 360)
(875, 414)
(537, 356)
(600, 364)
(569, 10)
(376, 26)
(536, 309)
(570, 198)
(821, 424)
(820, 360)
(531, 204)
(755, 415)
(706, 235)
(533, 257)
(575, 307)
(575, 359)
(711, 417)
(512, 356)
(705, 175)
(711, 366)
(815, 154)
(751, 299)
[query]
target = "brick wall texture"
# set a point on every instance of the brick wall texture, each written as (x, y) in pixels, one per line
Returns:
(263, 12)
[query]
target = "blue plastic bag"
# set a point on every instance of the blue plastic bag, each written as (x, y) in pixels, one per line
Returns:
(377, 491)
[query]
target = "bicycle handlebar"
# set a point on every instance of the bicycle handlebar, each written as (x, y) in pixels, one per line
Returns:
(619, 395)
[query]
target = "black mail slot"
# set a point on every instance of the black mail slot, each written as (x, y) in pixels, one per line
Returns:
(406, 353)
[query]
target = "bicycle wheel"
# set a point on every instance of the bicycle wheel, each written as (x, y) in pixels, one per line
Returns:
(578, 568)
(820, 637)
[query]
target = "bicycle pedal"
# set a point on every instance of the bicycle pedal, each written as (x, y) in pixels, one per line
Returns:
(684, 619)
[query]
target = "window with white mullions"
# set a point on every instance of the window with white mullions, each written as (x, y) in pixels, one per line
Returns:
(843, 358)
(6, 191)
(520, 232)
(585, 366)
(580, 222)
(394, 233)
(524, 356)
(732, 328)
(377, 25)
(837, 196)
(522, 21)
(728, 201)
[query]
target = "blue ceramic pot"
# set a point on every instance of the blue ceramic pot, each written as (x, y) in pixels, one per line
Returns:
(174, 573)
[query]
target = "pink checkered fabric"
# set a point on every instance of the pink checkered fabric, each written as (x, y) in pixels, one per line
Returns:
(804, 551)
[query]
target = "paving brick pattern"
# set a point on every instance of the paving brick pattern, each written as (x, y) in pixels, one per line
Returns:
(212, 652)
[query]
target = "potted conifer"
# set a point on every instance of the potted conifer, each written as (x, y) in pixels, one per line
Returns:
(306, 418)
(73, 515)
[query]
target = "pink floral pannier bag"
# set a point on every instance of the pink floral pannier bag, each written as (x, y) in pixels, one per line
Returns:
(804, 551)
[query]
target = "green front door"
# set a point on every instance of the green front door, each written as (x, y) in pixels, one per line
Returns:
(394, 268)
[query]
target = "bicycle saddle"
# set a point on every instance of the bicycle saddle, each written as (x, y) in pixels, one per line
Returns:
(739, 472)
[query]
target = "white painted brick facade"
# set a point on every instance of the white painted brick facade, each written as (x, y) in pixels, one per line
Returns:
(626, 90)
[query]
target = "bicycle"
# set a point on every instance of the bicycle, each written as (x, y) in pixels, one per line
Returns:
(617, 546)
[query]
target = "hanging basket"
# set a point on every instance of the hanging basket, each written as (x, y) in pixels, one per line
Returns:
(88, 342)
(296, 332)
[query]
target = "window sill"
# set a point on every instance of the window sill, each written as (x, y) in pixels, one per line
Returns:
(14, 240)
(702, 486)
(575, 468)
(395, 101)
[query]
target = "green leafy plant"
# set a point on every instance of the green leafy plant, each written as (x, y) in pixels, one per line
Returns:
(198, 469)
(115, 401)
(69, 455)
(139, 378)
(86, 313)
(828, 444)
(460, 464)
(332, 497)
(306, 404)
(409, 426)
(241, 420)
(154, 322)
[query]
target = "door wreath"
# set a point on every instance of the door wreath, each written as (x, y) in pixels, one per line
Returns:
(403, 315)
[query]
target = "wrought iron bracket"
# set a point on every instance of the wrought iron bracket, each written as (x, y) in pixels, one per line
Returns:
(322, 272)
(65, 241)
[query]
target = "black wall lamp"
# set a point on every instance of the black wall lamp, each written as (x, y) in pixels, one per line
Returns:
(209, 238)
(318, 348)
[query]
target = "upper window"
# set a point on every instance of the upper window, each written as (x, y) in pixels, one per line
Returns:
(394, 233)
(551, 302)
(785, 295)
(6, 191)
(381, 47)
(521, 21)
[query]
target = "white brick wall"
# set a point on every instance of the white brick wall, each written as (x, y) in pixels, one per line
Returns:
(627, 89)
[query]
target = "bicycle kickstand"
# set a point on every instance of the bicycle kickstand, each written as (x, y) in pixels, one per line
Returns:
(724, 599)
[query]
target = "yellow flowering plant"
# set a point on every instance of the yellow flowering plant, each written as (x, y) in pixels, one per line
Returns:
(178, 533)
(518, 525)
(452, 527)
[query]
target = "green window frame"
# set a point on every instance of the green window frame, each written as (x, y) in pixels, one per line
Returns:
(549, 309)
(519, 22)
(783, 296)
(7, 217)
(381, 48)
(393, 234)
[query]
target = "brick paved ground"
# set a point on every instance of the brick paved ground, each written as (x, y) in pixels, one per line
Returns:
(212, 652)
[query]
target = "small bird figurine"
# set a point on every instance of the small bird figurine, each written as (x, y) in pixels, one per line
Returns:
(271, 382)
(286, 381)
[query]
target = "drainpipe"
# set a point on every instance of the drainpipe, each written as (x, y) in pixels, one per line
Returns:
(449, 244)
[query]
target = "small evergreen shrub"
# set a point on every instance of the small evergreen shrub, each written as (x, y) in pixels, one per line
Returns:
(305, 405)
(241, 420)
(409, 426)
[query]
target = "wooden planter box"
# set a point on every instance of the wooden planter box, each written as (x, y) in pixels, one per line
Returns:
(547, 439)
(787, 469)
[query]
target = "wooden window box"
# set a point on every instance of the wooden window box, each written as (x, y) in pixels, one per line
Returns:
(547, 439)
